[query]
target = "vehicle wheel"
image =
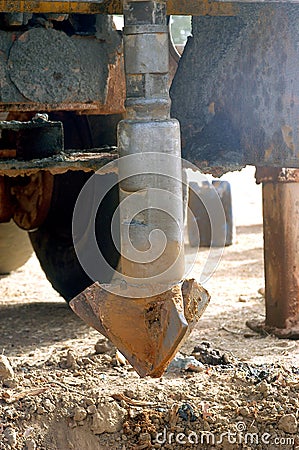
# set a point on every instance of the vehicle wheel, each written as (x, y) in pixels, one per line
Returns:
(15, 247)
(53, 241)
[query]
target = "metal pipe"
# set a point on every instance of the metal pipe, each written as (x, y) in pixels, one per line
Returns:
(281, 251)
(150, 135)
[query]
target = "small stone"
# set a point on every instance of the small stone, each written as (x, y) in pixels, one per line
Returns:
(69, 362)
(103, 346)
(261, 291)
(264, 388)
(40, 410)
(120, 358)
(79, 414)
(49, 405)
(30, 444)
(89, 401)
(10, 383)
(11, 436)
(288, 423)
(92, 409)
(6, 371)
(244, 411)
(109, 418)
(206, 426)
(144, 438)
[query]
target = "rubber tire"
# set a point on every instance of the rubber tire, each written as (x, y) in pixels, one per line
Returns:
(15, 247)
(53, 241)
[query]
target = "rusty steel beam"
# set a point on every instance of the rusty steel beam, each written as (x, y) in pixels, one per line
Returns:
(177, 7)
(281, 252)
(58, 164)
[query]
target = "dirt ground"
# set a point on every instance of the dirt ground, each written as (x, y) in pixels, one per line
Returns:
(67, 394)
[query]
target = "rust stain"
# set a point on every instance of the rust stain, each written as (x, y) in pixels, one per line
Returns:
(179, 7)
(211, 108)
(268, 152)
(8, 153)
(287, 133)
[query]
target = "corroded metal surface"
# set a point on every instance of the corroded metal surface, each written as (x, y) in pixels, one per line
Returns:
(32, 199)
(235, 89)
(35, 139)
(45, 69)
(180, 7)
(281, 242)
(149, 330)
(57, 164)
(276, 175)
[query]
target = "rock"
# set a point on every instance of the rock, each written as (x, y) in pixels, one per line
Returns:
(49, 405)
(30, 444)
(181, 362)
(40, 410)
(103, 346)
(288, 423)
(244, 411)
(92, 409)
(120, 358)
(109, 418)
(69, 362)
(11, 436)
(6, 371)
(10, 383)
(264, 388)
(145, 438)
(79, 414)
(261, 291)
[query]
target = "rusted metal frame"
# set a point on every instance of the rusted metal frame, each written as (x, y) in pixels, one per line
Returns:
(114, 102)
(175, 7)
(58, 164)
(281, 252)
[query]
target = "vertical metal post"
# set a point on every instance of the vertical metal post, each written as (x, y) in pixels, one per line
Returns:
(153, 139)
(281, 251)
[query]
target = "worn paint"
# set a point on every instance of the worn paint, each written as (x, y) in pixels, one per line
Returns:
(247, 65)
(58, 164)
(179, 7)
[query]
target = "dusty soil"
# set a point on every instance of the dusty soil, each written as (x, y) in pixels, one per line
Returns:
(67, 395)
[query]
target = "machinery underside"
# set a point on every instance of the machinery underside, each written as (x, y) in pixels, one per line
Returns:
(236, 96)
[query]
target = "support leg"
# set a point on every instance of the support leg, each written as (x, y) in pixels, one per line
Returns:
(281, 252)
